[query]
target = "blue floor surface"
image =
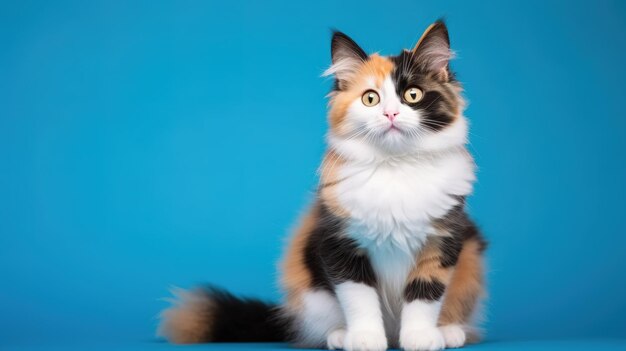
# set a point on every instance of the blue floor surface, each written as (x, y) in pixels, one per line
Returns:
(539, 345)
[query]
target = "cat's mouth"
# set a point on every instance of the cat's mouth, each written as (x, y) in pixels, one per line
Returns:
(394, 130)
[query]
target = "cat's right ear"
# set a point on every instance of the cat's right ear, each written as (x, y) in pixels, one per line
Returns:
(347, 56)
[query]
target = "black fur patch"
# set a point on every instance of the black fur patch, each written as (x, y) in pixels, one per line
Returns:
(461, 229)
(326, 225)
(450, 249)
(420, 289)
(436, 108)
(344, 261)
(340, 46)
(340, 41)
(332, 258)
(244, 320)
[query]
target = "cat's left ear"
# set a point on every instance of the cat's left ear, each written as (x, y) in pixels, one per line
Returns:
(432, 52)
(347, 57)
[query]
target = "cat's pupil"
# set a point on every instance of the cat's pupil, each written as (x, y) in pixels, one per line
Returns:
(413, 94)
(370, 98)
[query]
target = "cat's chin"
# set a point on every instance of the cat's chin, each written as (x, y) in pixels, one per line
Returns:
(403, 141)
(395, 142)
(372, 149)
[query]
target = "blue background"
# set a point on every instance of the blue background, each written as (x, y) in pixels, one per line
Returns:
(148, 144)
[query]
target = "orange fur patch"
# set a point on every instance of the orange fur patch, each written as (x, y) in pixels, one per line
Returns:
(296, 277)
(428, 264)
(375, 69)
(466, 286)
(189, 321)
(329, 178)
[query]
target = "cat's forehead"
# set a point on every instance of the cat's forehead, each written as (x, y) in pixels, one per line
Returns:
(400, 68)
(375, 70)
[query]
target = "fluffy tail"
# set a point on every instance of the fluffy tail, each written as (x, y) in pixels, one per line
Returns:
(214, 315)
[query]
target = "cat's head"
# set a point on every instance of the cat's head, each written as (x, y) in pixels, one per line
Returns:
(395, 105)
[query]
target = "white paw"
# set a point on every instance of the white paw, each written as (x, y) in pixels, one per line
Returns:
(429, 339)
(335, 339)
(365, 341)
(454, 335)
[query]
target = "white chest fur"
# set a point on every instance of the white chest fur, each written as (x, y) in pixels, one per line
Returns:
(394, 201)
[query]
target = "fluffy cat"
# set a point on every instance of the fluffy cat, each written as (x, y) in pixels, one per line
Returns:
(386, 256)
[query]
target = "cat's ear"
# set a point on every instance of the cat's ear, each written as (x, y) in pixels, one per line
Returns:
(432, 52)
(347, 56)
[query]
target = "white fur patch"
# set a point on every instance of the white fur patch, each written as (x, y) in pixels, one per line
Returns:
(454, 335)
(393, 201)
(364, 341)
(335, 339)
(419, 326)
(422, 340)
(344, 68)
(391, 266)
(361, 308)
(320, 315)
(420, 314)
(453, 135)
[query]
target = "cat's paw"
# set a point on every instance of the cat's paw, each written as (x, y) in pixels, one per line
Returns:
(429, 339)
(365, 341)
(454, 335)
(335, 339)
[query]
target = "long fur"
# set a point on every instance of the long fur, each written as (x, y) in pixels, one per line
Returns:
(387, 255)
(211, 314)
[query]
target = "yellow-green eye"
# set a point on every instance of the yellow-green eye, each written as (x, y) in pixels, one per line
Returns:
(413, 95)
(370, 98)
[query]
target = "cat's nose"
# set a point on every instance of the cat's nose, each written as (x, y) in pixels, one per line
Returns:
(391, 115)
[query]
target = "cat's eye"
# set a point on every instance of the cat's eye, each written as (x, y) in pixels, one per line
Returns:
(413, 95)
(370, 98)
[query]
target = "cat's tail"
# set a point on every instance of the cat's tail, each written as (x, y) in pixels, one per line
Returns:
(211, 314)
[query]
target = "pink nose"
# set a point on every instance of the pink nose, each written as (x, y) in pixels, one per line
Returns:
(391, 115)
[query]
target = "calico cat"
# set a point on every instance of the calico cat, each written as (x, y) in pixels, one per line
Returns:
(386, 256)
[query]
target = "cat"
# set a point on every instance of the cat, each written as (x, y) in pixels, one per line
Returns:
(386, 256)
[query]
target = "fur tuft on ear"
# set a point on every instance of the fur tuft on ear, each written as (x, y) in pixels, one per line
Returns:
(432, 51)
(347, 56)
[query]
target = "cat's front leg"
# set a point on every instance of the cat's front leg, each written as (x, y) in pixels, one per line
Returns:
(354, 281)
(361, 308)
(419, 330)
(423, 296)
